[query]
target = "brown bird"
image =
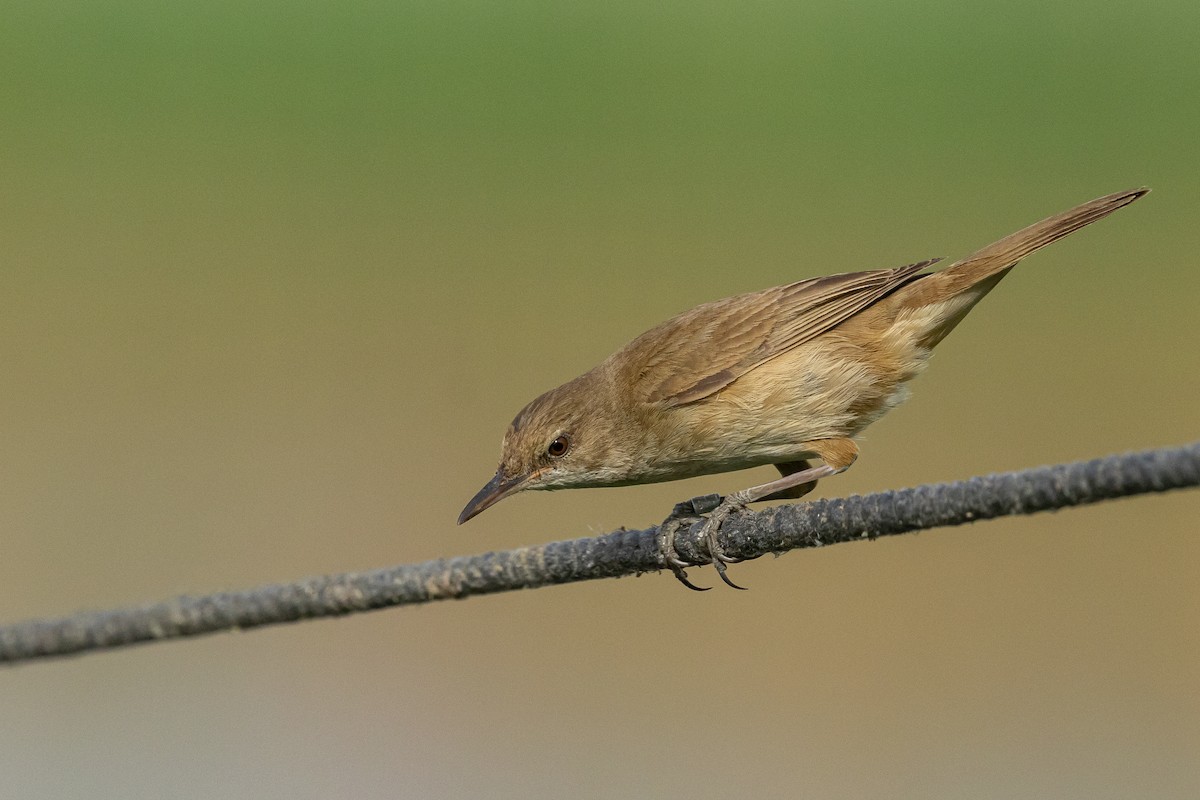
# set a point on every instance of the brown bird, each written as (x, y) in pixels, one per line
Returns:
(777, 377)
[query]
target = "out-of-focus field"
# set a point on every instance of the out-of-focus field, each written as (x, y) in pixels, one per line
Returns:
(276, 276)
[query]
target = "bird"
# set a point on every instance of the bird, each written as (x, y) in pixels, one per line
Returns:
(781, 376)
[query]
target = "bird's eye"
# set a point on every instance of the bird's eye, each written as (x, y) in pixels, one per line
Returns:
(559, 447)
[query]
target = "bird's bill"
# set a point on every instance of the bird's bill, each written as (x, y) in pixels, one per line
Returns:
(495, 490)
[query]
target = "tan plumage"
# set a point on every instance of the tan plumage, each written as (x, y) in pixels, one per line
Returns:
(772, 377)
(700, 352)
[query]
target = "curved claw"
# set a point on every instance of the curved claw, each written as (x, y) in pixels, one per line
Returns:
(728, 581)
(683, 578)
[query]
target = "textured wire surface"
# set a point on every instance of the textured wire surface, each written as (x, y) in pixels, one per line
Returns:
(623, 552)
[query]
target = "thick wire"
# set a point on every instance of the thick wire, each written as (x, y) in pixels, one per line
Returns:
(623, 552)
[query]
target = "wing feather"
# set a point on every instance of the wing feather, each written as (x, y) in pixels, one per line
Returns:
(701, 351)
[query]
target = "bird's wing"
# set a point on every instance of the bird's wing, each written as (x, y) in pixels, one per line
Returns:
(701, 351)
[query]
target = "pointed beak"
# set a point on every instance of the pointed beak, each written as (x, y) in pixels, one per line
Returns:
(498, 488)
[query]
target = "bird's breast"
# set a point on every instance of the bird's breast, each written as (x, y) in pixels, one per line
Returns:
(828, 388)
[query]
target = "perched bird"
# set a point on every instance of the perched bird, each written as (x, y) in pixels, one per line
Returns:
(779, 376)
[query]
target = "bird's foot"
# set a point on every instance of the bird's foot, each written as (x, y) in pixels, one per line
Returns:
(718, 510)
(684, 514)
(712, 526)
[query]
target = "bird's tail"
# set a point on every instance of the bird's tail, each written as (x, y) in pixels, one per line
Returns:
(963, 284)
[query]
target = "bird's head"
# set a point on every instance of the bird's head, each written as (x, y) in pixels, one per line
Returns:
(563, 439)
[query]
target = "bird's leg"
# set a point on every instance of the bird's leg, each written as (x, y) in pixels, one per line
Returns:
(796, 492)
(685, 512)
(838, 455)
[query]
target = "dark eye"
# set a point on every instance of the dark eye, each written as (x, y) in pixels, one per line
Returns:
(559, 447)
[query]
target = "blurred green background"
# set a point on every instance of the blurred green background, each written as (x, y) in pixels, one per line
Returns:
(277, 275)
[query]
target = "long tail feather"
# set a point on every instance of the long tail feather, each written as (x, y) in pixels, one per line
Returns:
(957, 288)
(1005, 253)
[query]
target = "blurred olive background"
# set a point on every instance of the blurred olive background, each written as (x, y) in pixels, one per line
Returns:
(276, 276)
